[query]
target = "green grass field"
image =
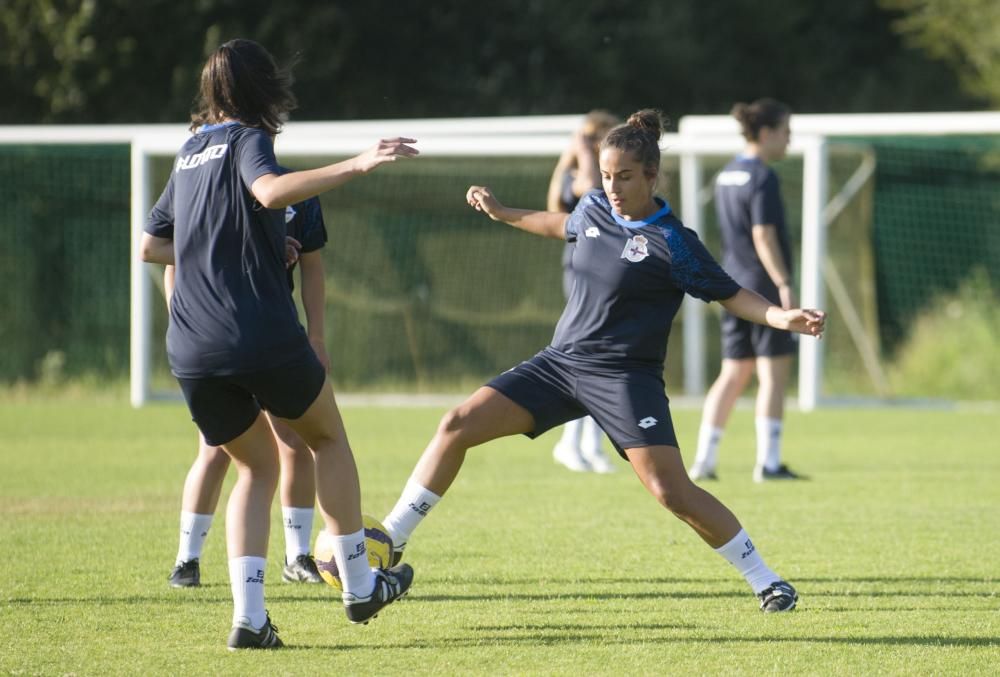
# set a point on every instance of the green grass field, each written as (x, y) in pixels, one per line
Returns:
(524, 568)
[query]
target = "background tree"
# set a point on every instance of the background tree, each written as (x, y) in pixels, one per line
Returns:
(102, 61)
(963, 33)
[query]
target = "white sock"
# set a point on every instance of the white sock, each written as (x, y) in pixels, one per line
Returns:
(707, 455)
(768, 442)
(351, 556)
(194, 529)
(590, 437)
(412, 507)
(572, 431)
(246, 577)
(741, 553)
(298, 531)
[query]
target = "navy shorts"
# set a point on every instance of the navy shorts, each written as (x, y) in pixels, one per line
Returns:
(742, 339)
(224, 407)
(630, 405)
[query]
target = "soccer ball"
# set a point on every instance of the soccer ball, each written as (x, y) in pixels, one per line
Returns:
(377, 542)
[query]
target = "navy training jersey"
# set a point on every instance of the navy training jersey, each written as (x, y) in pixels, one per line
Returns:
(231, 311)
(747, 194)
(629, 278)
(304, 222)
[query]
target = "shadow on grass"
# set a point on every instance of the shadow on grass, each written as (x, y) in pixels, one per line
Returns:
(559, 636)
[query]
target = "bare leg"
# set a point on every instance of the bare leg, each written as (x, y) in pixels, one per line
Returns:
(248, 514)
(336, 474)
(732, 381)
(772, 373)
(486, 415)
(203, 483)
(662, 473)
(297, 487)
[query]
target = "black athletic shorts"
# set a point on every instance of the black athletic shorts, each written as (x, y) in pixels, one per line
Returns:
(742, 339)
(630, 405)
(224, 407)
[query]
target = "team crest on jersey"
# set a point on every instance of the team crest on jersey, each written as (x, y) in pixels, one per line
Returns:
(635, 249)
(592, 232)
(289, 213)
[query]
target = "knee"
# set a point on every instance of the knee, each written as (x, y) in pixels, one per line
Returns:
(674, 495)
(455, 424)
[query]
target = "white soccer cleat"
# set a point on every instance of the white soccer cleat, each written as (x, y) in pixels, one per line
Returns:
(570, 457)
(599, 462)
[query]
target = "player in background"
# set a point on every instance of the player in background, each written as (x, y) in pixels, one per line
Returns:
(297, 489)
(234, 340)
(633, 263)
(756, 252)
(576, 173)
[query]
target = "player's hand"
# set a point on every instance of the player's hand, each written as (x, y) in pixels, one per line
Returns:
(386, 150)
(787, 296)
(481, 199)
(292, 248)
(806, 321)
(320, 349)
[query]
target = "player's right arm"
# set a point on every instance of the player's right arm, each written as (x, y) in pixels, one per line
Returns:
(275, 191)
(765, 243)
(546, 224)
(153, 249)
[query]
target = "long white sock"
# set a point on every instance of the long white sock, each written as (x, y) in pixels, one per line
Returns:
(572, 431)
(194, 529)
(590, 437)
(707, 454)
(768, 442)
(351, 556)
(246, 577)
(741, 553)
(298, 531)
(411, 508)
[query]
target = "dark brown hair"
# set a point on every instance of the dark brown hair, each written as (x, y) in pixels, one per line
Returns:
(241, 81)
(761, 113)
(640, 135)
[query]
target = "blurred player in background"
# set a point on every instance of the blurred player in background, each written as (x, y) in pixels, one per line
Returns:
(632, 264)
(234, 340)
(575, 174)
(203, 485)
(756, 252)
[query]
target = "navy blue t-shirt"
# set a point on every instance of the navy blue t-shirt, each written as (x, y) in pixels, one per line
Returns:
(231, 311)
(629, 280)
(304, 222)
(747, 194)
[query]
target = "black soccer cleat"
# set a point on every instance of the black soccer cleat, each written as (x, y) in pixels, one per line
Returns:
(245, 637)
(781, 596)
(762, 474)
(185, 575)
(301, 570)
(390, 585)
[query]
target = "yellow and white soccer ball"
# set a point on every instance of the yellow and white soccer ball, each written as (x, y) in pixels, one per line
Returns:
(378, 543)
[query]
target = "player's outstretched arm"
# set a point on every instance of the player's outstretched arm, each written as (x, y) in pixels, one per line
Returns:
(274, 191)
(752, 306)
(546, 224)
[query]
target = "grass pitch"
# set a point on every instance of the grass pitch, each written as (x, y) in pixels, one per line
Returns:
(524, 568)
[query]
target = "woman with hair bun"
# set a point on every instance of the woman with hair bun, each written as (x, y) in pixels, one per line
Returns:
(633, 263)
(756, 252)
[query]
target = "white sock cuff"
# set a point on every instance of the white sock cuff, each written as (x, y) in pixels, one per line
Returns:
(737, 548)
(767, 422)
(415, 488)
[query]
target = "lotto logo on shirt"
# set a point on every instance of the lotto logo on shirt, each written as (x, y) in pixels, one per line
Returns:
(198, 159)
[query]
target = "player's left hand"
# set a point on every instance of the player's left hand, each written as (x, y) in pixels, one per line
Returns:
(320, 349)
(292, 248)
(806, 321)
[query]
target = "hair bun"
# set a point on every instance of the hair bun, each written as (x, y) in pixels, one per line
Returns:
(741, 112)
(649, 120)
